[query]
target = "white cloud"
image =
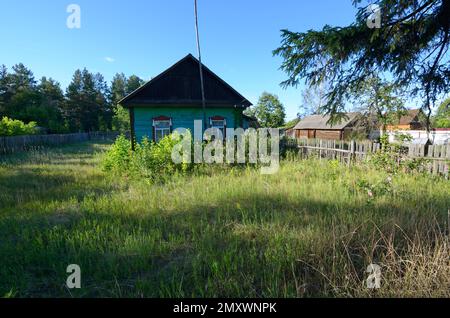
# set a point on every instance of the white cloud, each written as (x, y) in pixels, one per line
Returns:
(110, 59)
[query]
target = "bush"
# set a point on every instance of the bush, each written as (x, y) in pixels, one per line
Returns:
(12, 127)
(393, 158)
(151, 161)
(373, 190)
(118, 158)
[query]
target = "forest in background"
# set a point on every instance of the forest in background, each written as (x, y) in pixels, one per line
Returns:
(89, 103)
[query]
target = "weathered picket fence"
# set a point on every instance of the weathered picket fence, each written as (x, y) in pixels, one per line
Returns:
(28, 142)
(344, 151)
(436, 158)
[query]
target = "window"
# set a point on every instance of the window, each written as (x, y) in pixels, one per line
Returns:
(219, 123)
(161, 128)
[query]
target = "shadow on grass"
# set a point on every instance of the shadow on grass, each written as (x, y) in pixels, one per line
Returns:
(201, 250)
(54, 174)
(45, 154)
(35, 185)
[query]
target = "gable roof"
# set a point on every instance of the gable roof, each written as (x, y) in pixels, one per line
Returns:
(321, 122)
(180, 85)
(410, 117)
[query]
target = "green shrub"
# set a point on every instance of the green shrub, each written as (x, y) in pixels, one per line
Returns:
(14, 127)
(393, 158)
(150, 161)
(118, 158)
(373, 190)
(153, 161)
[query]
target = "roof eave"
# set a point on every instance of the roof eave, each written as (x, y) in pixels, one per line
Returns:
(187, 104)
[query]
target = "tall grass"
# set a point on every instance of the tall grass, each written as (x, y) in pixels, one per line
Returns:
(309, 231)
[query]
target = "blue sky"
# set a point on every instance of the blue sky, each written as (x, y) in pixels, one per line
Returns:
(144, 37)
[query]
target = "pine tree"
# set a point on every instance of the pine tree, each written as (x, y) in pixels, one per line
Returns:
(133, 83)
(74, 102)
(3, 89)
(103, 100)
(411, 46)
(24, 99)
(121, 118)
(52, 101)
(118, 88)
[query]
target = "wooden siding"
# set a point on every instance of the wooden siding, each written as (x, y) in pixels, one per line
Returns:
(301, 133)
(328, 134)
(182, 117)
(320, 134)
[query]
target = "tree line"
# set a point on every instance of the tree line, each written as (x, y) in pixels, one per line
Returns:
(89, 103)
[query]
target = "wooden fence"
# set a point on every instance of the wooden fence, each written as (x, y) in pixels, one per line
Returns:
(436, 158)
(28, 142)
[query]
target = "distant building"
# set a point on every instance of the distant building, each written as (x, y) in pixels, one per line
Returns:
(317, 126)
(412, 125)
(409, 121)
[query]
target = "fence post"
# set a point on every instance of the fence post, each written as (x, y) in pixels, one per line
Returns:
(352, 152)
(3, 145)
(320, 149)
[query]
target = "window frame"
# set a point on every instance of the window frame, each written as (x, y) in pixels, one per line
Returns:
(164, 131)
(222, 128)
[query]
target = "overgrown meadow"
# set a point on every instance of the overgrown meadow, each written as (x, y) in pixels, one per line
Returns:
(311, 230)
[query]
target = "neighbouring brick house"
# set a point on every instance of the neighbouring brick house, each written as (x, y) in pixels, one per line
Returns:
(409, 121)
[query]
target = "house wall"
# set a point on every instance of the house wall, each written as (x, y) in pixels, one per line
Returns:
(328, 134)
(319, 134)
(182, 117)
(398, 127)
(437, 137)
(301, 133)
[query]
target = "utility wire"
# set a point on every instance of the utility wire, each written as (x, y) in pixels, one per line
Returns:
(200, 65)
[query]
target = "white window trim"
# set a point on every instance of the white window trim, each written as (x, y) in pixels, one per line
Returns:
(223, 120)
(156, 130)
(222, 128)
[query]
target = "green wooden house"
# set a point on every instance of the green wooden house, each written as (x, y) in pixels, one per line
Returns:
(173, 100)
